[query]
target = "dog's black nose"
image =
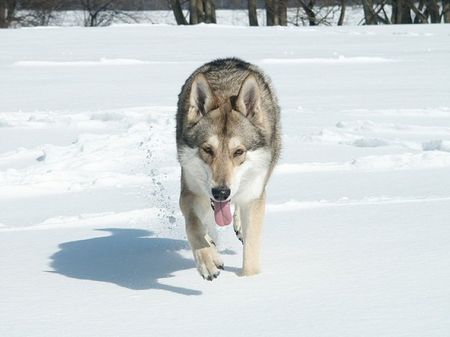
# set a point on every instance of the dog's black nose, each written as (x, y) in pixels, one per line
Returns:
(221, 193)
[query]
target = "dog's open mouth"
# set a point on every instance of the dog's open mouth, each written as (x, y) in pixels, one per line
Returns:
(222, 212)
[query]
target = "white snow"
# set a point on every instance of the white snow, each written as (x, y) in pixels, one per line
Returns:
(357, 235)
(338, 60)
(102, 62)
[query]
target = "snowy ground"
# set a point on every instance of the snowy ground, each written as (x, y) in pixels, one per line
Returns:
(357, 235)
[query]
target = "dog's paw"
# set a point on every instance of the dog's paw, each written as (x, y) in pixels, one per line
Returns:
(208, 262)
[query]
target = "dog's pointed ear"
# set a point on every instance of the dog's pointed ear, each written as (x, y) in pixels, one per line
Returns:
(201, 100)
(248, 101)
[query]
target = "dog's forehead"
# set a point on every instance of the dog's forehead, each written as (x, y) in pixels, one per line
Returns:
(231, 142)
(221, 126)
(234, 142)
(224, 121)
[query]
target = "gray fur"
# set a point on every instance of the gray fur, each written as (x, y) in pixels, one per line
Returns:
(225, 77)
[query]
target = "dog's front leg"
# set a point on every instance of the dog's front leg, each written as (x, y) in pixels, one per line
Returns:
(205, 253)
(252, 221)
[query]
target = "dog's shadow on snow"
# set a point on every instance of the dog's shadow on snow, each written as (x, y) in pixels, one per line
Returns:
(130, 258)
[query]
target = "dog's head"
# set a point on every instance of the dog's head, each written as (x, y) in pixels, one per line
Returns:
(225, 139)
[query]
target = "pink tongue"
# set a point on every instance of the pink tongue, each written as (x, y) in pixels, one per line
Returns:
(222, 213)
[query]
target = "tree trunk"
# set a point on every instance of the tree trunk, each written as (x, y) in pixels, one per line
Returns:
(252, 15)
(270, 12)
(342, 15)
(3, 14)
(193, 12)
(213, 11)
(7, 12)
(282, 13)
(370, 17)
(178, 12)
(446, 10)
(433, 9)
(308, 8)
(276, 20)
(93, 19)
(401, 11)
(200, 11)
(394, 12)
(405, 12)
(210, 11)
(420, 17)
(207, 8)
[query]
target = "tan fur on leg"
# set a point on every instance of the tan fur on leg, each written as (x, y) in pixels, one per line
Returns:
(252, 221)
(205, 253)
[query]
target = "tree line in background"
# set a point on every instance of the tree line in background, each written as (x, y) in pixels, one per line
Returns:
(41, 12)
(189, 12)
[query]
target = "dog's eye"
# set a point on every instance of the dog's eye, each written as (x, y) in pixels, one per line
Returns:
(208, 150)
(238, 152)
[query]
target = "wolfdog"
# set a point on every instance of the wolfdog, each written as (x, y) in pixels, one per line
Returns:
(228, 142)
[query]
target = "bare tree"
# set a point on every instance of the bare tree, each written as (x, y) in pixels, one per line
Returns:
(193, 12)
(323, 12)
(342, 15)
(433, 10)
(178, 12)
(252, 15)
(103, 12)
(3, 14)
(370, 17)
(308, 7)
(202, 11)
(419, 16)
(282, 12)
(401, 11)
(210, 11)
(271, 13)
(446, 10)
(8, 13)
(40, 11)
(98, 12)
(381, 10)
